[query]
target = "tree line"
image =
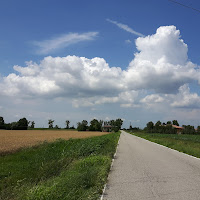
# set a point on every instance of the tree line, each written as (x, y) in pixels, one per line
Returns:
(95, 125)
(167, 128)
(22, 124)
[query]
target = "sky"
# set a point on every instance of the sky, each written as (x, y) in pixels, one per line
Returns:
(138, 60)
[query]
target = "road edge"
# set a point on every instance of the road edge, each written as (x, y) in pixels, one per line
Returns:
(105, 186)
(167, 147)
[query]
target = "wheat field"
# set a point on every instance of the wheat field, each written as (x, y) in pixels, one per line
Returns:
(13, 140)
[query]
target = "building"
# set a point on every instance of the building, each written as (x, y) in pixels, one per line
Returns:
(178, 129)
(107, 128)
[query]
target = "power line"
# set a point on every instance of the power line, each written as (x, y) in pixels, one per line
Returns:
(185, 5)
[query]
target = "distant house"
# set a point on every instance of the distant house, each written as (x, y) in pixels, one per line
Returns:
(178, 129)
(107, 128)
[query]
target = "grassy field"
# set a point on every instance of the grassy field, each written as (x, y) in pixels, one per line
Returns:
(12, 140)
(65, 169)
(189, 144)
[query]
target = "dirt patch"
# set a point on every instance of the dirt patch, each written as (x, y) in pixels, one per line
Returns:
(13, 140)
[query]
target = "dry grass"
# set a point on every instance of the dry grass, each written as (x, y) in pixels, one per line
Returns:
(13, 140)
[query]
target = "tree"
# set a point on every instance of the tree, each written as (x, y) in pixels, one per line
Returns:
(82, 126)
(169, 122)
(56, 127)
(158, 127)
(150, 126)
(85, 123)
(169, 129)
(22, 124)
(198, 130)
(158, 123)
(175, 122)
(95, 125)
(118, 123)
(32, 124)
(67, 122)
(2, 124)
(188, 130)
(50, 122)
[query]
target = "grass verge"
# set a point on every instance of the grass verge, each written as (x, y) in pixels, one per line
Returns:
(67, 170)
(189, 144)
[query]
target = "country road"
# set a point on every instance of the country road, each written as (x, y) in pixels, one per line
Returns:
(143, 170)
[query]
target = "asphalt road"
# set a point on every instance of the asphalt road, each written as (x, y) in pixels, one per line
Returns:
(143, 170)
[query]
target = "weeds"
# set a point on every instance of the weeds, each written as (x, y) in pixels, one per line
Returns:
(73, 169)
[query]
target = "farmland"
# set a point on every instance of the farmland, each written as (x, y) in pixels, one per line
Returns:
(64, 169)
(13, 140)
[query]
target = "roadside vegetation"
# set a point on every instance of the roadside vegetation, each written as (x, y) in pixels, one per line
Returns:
(185, 139)
(67, 170)
(189, 144)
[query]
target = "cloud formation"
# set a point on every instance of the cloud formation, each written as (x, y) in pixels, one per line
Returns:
(161, 63)
(69, 76)
(49, 46)
(185, 99)
(160, 67)
(125, 27)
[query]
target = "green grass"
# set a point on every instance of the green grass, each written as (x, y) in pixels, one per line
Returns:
(67, 170)
(189, 144)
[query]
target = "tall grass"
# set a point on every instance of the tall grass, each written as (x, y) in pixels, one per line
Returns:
(189, 144)
(73, 169)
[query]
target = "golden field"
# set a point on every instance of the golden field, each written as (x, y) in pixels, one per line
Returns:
(12, 140)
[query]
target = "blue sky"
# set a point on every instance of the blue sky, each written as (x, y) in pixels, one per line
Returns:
(120, 84)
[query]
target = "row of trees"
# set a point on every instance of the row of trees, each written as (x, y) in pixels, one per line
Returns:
(190, 130)
(159, 127)
(22, 124)
(67, 123)
(96, 125)
(167, 128)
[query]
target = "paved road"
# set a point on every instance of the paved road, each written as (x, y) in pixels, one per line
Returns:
(143, 170)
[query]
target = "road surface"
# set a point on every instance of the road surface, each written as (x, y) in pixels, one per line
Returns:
(143, 170)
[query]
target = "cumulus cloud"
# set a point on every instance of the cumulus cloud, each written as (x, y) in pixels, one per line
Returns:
(161, 63)
(69, 76)
(185, 99)
(160, 67)
(49, 46)
(125, 27)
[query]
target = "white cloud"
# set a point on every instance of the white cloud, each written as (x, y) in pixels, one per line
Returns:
(185, 99)
(125, 27)
(160, 67)
(126, 99)
(69, 76)
(161, 63)
(153, 98)
(48, 46)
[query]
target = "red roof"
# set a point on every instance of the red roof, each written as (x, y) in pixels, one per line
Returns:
(178, 127)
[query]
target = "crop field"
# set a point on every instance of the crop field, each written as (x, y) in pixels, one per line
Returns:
(64, 169)
(13, 140)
